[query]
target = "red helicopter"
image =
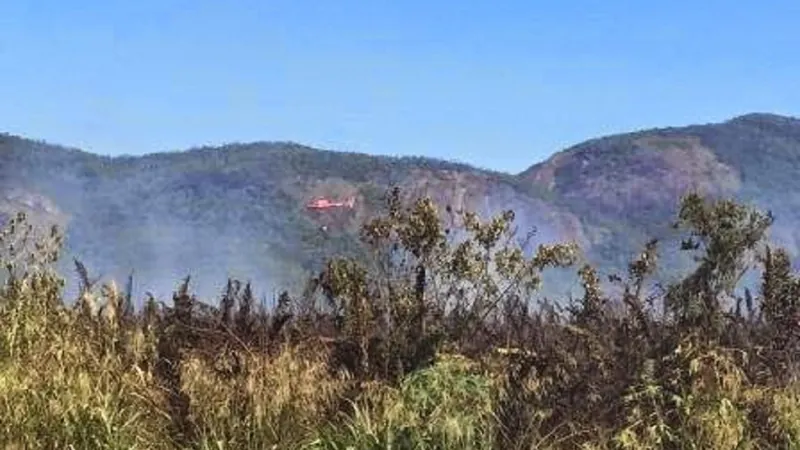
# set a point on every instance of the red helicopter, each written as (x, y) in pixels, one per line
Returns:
(323, 203)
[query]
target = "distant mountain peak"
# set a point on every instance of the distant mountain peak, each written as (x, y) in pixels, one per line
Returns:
(761, 117)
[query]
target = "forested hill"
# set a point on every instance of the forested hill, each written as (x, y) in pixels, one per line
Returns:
(240, 210)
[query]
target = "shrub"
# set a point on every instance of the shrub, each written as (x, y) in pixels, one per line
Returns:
(431, 342)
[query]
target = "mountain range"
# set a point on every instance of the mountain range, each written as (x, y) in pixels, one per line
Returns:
(239, 210)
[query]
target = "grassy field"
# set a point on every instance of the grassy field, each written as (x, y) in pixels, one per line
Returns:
(431, 344)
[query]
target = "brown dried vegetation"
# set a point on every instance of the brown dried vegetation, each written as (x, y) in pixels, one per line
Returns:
(433, 341)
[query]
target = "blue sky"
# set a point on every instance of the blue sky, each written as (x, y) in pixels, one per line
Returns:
(499, 84)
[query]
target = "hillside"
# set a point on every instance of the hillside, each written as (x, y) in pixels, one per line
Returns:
(201, 211)
(239, 210)
(626, 187)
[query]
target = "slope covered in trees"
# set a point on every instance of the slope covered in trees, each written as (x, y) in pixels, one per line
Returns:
(239, 210)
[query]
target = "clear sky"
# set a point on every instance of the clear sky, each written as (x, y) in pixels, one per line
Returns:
(499, 84)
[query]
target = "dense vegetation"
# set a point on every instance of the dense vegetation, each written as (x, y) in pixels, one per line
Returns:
(431, 342)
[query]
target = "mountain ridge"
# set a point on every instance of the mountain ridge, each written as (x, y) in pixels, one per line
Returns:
(165, 214)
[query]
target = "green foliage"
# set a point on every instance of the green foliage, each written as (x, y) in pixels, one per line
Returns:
(421, 291)
(727, 234)
(447, 406)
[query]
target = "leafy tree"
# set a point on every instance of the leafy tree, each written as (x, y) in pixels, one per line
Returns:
(727, 234)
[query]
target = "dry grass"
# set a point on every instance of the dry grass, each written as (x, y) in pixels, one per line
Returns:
(379, 366)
